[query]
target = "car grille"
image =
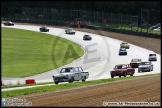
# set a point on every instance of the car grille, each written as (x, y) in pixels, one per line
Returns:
(62, 77)
(143, 68)
(116, 72)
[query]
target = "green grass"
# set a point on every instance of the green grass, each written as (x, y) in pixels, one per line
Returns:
(6, 94)
(26, 53)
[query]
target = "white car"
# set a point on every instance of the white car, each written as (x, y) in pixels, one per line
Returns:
(159, 28)
(70, 31)
(145, 66)
(70, 74)
(152, 57)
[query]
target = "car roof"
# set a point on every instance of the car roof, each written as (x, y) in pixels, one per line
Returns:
(136, 59)
(145, 61)
(71, 67)
(124, 42)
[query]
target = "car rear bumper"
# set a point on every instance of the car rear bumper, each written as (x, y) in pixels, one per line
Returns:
(152, 59)
(134, 65)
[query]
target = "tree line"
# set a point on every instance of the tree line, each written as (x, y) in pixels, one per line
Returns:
(124, 7)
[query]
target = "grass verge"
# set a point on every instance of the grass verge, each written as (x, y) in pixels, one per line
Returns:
(26, 53)
(26, 91)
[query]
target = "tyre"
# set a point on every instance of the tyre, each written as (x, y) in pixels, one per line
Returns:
(131, 75)
(119, 76)
(112, 76)
(152, 69)
(71, 80)
(56, 82)
(84, 78)
(125, 75)
(138, 71)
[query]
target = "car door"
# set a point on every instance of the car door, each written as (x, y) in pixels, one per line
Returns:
(129, 69)
(77, 73)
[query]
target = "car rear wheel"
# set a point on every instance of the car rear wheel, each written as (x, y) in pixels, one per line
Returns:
(119, 76)
(125, 74)
(112, 76)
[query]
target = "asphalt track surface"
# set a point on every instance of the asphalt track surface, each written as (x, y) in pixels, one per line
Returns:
(101, 55)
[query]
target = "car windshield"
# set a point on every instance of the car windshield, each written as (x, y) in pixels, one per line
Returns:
(124, 42)
(120, 66)
(122, 49)
(144, 63)
(86, 35)
(70, 29)
(152, 54)
(64, 70)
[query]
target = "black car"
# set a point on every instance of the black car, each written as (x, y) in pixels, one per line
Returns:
(87, 37)
(43, 29)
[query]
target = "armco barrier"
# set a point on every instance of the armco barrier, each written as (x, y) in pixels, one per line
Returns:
(21, 82)
(30, 81)
(14, 82)
(17, 82)
(6, 83)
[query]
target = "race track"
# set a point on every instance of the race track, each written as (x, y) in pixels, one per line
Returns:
(101, 55)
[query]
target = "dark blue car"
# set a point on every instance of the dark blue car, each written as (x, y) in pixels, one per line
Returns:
(122, 51)
(87, 37)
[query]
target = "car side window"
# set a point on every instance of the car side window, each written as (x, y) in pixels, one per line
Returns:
(76, 69)
(62, 71)
(80, 69)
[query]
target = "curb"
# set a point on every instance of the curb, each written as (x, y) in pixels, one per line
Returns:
(17, 82)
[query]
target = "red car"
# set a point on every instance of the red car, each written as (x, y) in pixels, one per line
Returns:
(8, 23)
(122, 70)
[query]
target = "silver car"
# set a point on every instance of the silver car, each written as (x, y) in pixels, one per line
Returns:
(152, 57)
(145, 66)
(69, 31)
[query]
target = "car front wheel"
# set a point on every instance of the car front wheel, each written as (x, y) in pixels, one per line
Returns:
(56, 82)
(71, 80)
(84, 78)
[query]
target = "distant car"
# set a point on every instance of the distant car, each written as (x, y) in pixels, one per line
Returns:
(155, 27)
(70, 31)
(159, 28)
(145, 66)
(152, 57)
(135, 63)
(122, 51)
(43, 29)
(122, 70)
(87, 37)
(8, 23)
(124, 45)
